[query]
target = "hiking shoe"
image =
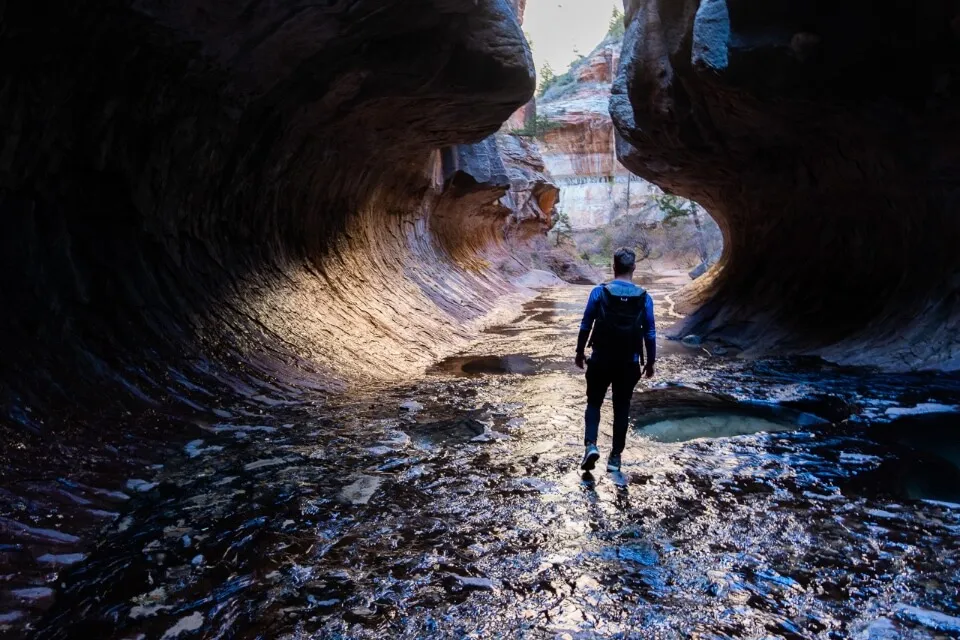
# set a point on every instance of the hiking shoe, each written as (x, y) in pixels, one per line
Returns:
(590, 457)
(613, 462)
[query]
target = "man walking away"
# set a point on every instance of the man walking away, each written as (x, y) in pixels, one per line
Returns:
(621, 316)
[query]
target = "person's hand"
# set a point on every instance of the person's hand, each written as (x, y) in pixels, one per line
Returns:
(648, 370)
(579, 360)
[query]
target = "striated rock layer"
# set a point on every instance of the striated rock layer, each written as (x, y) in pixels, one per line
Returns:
(579, 147)
(209, 198)
(825, 144)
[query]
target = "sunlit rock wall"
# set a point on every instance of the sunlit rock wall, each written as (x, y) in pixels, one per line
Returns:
(826, 145)
(579, 146)
(205, 198)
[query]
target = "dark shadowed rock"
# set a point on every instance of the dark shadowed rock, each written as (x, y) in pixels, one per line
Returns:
(227, 180)
(825, 144)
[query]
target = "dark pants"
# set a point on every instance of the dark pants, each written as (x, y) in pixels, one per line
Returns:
(600, 375)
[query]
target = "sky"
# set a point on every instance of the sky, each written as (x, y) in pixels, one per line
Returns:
(558, 28)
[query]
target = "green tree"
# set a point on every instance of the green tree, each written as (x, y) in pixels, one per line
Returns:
(675, 209)
(537, 128)
(547, 78)
(617, 26)
(561, 228)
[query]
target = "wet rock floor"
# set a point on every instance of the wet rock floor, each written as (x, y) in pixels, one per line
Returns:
(767, 499)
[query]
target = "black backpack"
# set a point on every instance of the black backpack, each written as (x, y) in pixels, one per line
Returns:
(619, 327)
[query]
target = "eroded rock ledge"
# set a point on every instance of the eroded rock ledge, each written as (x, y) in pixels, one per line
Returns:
(825, 144)
(206, 198)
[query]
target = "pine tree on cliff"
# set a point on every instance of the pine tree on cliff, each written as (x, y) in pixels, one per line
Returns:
(617, 25)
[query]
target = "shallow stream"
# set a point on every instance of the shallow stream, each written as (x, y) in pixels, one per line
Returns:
(764, 499)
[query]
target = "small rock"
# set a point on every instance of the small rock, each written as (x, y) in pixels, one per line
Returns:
(362, 612)
(260, 464)
(698, 271)
(197, 560)
(360, 490)
(33, 596)
(153, 545)
(880, 629)
(100, 513)
(325, 603)
(339, 574)
(934, 620)
(720, 350)
(61, 559)
(194, 448)
(470, 582)
(190, 623)
(395, 439)
(414, 472)
(516, 423)
(8, 617)
(140, 486)
(490, 436)
(379, 451)
(146, 610)
(411, 405)
(692, 340)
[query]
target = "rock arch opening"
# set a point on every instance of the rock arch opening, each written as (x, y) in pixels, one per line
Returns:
(603, 205)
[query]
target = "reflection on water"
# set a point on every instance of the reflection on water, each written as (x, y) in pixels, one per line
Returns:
(927, 464)
(454, 507)
(709, 426)
(478, 365)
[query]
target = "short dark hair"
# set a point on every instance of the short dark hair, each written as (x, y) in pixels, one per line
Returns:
(624, 260)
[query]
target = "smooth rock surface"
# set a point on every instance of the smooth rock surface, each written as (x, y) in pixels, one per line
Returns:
(228, 186)
(361, 489)
(825, 145)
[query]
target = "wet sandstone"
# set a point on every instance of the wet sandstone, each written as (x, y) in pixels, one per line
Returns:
(454, 506)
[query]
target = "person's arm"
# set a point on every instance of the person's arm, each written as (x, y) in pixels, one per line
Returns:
(586, 324)
(649, 335)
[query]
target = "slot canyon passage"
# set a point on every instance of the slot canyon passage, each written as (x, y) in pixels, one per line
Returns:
(282, 355)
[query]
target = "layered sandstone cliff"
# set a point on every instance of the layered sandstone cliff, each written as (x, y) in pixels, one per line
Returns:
(207, 199)
(578, 144)
(825, 144)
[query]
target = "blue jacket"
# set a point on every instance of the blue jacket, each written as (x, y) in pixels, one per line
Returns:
(621, 287)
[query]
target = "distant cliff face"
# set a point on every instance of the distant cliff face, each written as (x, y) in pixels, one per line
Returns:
(578, 144)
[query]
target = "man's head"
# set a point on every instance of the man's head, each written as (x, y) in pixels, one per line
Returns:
(624, 260)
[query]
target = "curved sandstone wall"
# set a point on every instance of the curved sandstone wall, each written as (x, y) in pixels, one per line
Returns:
(209, 197)
(824, 143)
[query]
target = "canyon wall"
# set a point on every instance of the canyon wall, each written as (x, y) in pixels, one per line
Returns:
(825, 143)
(204, 200)
(578, 144)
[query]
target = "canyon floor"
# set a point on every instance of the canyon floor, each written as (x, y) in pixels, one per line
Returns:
(758, 499)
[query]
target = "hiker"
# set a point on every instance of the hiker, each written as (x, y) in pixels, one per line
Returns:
(621, 315)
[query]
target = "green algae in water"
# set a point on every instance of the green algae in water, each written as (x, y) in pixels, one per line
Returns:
(710, 426)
